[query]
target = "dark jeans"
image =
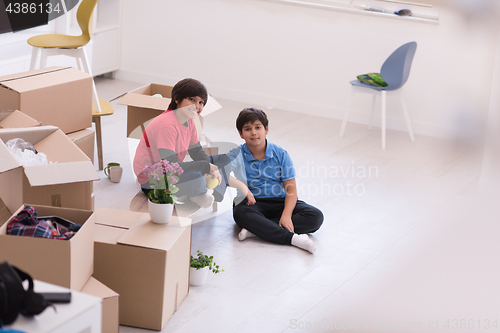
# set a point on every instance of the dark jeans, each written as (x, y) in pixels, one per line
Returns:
(262, 219)
(191, 183)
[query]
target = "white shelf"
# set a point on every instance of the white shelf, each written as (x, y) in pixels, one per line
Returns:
(107, 13)
(424, 14)
(106, 36)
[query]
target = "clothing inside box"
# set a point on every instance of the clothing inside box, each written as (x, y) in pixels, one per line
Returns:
(29, 223)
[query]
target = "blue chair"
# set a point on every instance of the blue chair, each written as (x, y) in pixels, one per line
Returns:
(395, 72)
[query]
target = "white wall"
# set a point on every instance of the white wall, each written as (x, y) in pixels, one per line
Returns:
(301, 58)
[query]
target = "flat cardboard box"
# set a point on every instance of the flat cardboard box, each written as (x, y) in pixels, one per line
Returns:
(67, 182)
(109, 304)
(142, 107)
(147, 264)
(84, 139)
(58, 96)
(66, 263)
(16, 119)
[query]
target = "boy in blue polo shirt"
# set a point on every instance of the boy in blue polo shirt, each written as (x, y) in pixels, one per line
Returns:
(271, 210)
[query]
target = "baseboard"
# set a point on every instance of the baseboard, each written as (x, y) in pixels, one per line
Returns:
(267, 101)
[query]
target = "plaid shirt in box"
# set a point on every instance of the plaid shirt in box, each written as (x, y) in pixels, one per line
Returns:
(26, 223)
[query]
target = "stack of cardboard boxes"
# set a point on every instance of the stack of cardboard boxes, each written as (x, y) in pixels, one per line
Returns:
(51, 109)
(60, 97)
(67, 263)
(114, 252)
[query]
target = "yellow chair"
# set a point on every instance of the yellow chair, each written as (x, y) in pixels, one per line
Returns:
(55, 44)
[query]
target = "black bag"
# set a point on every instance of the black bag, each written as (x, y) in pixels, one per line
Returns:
(14, 299)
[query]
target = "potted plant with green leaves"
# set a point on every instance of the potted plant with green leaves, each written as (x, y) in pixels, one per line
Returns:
(162, 176)
(200, 266)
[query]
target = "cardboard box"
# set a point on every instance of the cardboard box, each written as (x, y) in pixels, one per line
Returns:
(84, 139)
(67, 182)
(16, 119)
(142, 107)
(5, 214)
(67, 263)
(58, 96)
(109, 304)
(146, 263)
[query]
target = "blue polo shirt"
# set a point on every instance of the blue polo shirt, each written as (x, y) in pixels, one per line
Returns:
(264, 178)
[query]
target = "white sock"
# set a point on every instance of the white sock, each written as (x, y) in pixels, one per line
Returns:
(303, 242)
(204, 201)
(244, 234)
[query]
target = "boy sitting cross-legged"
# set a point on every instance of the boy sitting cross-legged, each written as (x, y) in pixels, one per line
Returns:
(275, 214)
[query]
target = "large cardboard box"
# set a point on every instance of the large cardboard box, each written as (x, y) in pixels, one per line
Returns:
(65, 182)
(58, 96)
(67, 263)
(16, 119)
(142, 107)
(147, 264)
(109, 304)
(84, 139)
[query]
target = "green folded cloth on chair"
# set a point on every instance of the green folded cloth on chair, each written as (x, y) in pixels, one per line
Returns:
(373, 79)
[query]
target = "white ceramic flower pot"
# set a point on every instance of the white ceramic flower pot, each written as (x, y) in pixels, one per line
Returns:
(160, 213)
(197, 277)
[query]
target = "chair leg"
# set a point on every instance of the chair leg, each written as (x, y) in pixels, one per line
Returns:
(79, 63)
(346, 114)
(87, 69)
(34, 58)
(83, 56)
(97, 121)
(95, 98)
(384, 104)
(373, 111)
(407, 116)
(43, 58)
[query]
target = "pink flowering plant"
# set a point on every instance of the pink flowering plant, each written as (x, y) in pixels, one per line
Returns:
(163, 176)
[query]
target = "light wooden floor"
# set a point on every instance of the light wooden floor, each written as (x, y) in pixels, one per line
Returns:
(397, 245)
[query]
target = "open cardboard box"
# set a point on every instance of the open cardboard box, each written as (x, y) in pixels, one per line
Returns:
(58, 96)
(109, 304)
(67, 263)
(147, 264)
(84, 139)
(142, 107)
(16, 119)
(67, 182)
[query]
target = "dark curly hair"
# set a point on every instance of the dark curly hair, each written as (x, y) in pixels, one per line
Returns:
(250, 115)
(188, 88)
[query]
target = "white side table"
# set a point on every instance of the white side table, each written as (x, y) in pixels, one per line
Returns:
(82, 314)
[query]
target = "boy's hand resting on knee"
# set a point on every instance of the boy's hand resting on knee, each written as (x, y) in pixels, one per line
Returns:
(250, 198)
(286, 222)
